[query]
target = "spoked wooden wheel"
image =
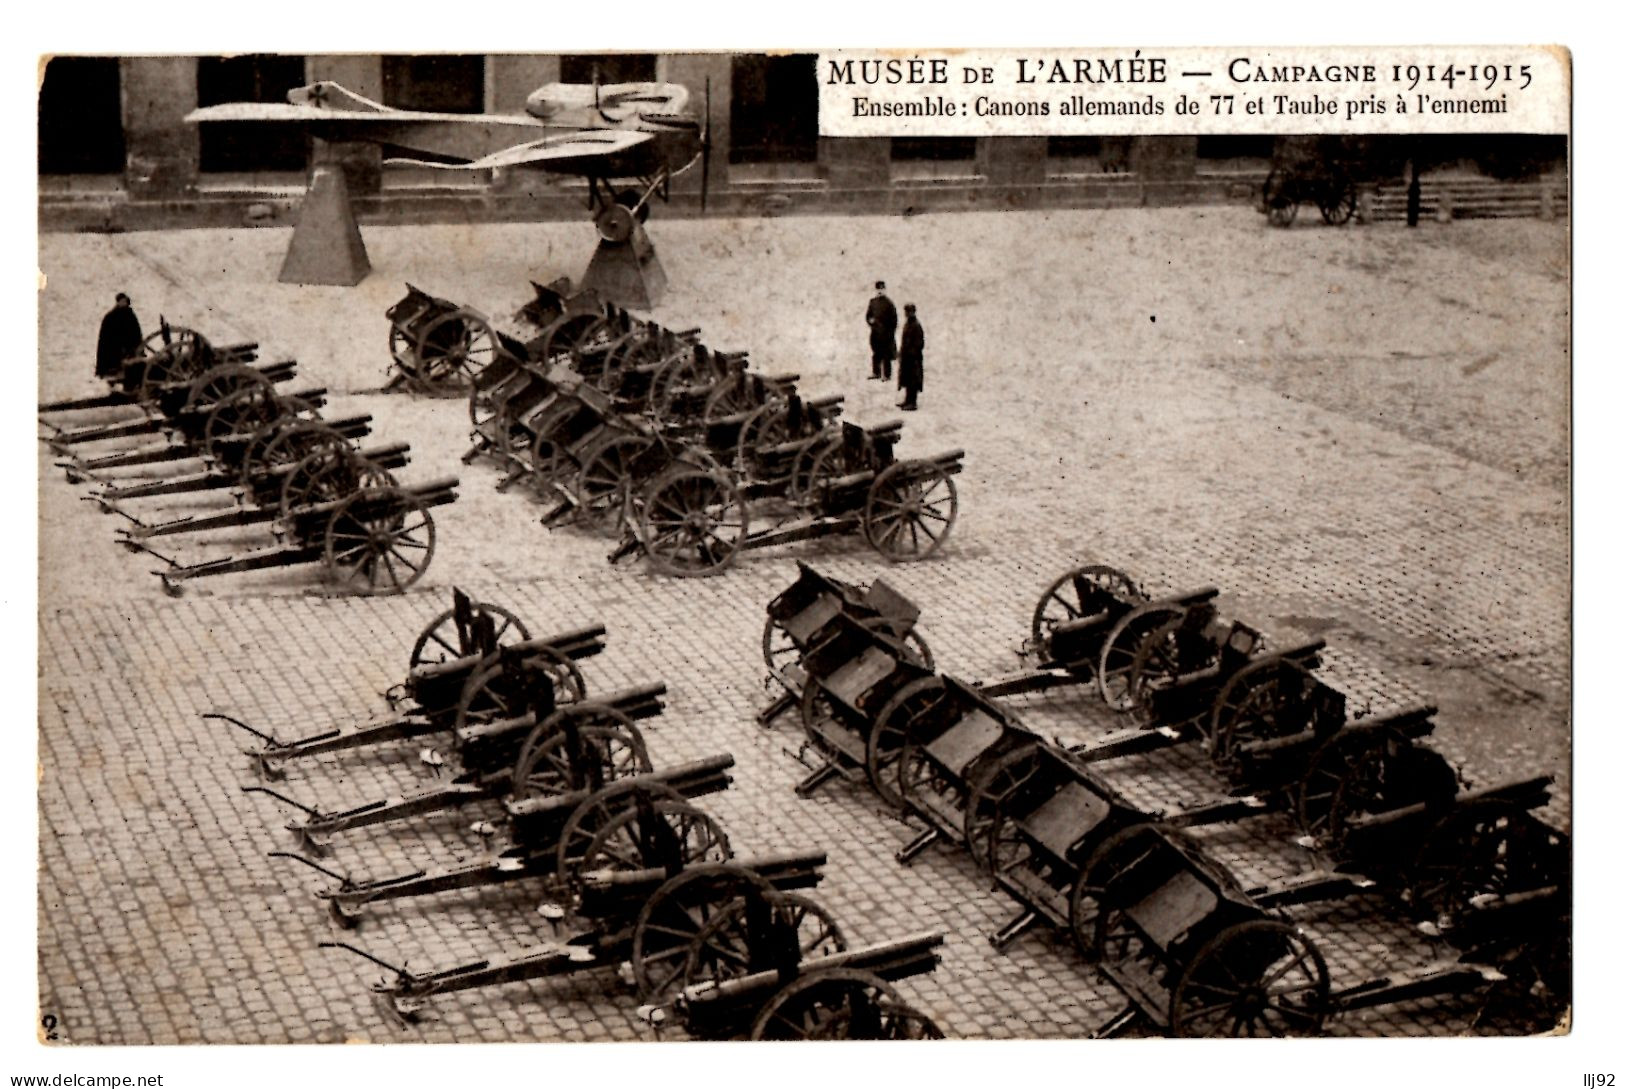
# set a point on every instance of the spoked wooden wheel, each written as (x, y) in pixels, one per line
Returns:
(592, 348)
(221, 381)
(819, 719)
(1338, 208)
(1485, 848)
(683, 933)
(1282, 211)
(779, 651)
(1121, 645)
(1264, 700)
(767, 427)
(453, 350)
(804, 480)
(911, 510)
(560, 338)
(694, 522)
(606, 475)
(170, 355)
(294, 409)
(895, 765)
(240, 413)
(730, 398)
(1075, 595)
(443, 640)
(328, 476)
(1113, 860)
(606, 748)
(681, 379)
(596, 813)
(549, 459)
(496, 693)
(991, 783)
(639, 353)
(290, 444)
(1361, 772)
(1157, 665)
(841, 1004)
(890, 1021)
(663, 834)
(379, 541)
(1257, 978)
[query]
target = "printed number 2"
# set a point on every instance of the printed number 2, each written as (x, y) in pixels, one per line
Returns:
(49, 1023)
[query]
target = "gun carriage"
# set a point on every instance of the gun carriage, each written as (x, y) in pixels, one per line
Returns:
(640, 822)
(693, 521)
(668, 930)
(473, 663)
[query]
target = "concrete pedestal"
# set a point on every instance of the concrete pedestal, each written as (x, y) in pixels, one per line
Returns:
(627, 273)
(327, 246)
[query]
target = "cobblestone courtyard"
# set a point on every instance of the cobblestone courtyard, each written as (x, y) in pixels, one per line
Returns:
(1360, 435)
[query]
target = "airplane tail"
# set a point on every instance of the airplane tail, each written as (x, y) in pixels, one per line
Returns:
(327, 95)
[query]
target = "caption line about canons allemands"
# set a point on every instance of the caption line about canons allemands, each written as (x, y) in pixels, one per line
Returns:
(1236, 91)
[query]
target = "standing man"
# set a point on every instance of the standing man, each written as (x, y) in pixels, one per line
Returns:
(119, 338)
(882, 318)
(911, 361)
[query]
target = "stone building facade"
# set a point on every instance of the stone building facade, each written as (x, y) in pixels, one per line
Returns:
(114, 151)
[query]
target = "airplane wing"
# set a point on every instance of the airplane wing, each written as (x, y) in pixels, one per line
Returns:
(570, 145)
(264, 111)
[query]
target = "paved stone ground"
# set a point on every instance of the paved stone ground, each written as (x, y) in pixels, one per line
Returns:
(1360, 435)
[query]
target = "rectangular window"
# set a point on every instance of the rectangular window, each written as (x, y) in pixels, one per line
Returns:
(773, 109)
(239, 148)
(81, 119)
(1088, 154)
(934, 149)
(436, 82)
(607, 68)
(1235, 147)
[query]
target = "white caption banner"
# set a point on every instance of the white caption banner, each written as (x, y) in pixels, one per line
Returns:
(1238, 91)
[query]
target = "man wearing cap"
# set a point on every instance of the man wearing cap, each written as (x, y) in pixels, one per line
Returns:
(911, 361)
(119, 338)
(882, 318)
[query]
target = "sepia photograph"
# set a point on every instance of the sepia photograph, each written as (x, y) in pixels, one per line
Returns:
(1068, 543)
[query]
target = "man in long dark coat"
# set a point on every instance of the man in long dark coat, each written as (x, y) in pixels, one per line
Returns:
(911, 360)
(119, 338)
(882, 318)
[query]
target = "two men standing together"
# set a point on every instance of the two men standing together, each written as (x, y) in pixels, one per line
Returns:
(882, 319)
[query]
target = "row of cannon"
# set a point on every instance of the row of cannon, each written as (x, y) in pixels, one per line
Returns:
(226, 428)
(634, 877)
(685, 454)
(1195, 949)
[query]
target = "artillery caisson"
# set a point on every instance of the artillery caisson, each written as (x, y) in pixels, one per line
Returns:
(441, 348)
(800, 617)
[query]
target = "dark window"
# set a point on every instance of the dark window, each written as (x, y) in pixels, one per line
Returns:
(933, 148)
(243, 148)
(773, 111)
(81, 121)
(1074, 147)
(439, 83)
(1235, 147)
(608, 67)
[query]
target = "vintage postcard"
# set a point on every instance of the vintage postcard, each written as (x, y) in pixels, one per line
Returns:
(849, 544)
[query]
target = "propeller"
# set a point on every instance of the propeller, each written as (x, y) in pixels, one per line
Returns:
(705, 148)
